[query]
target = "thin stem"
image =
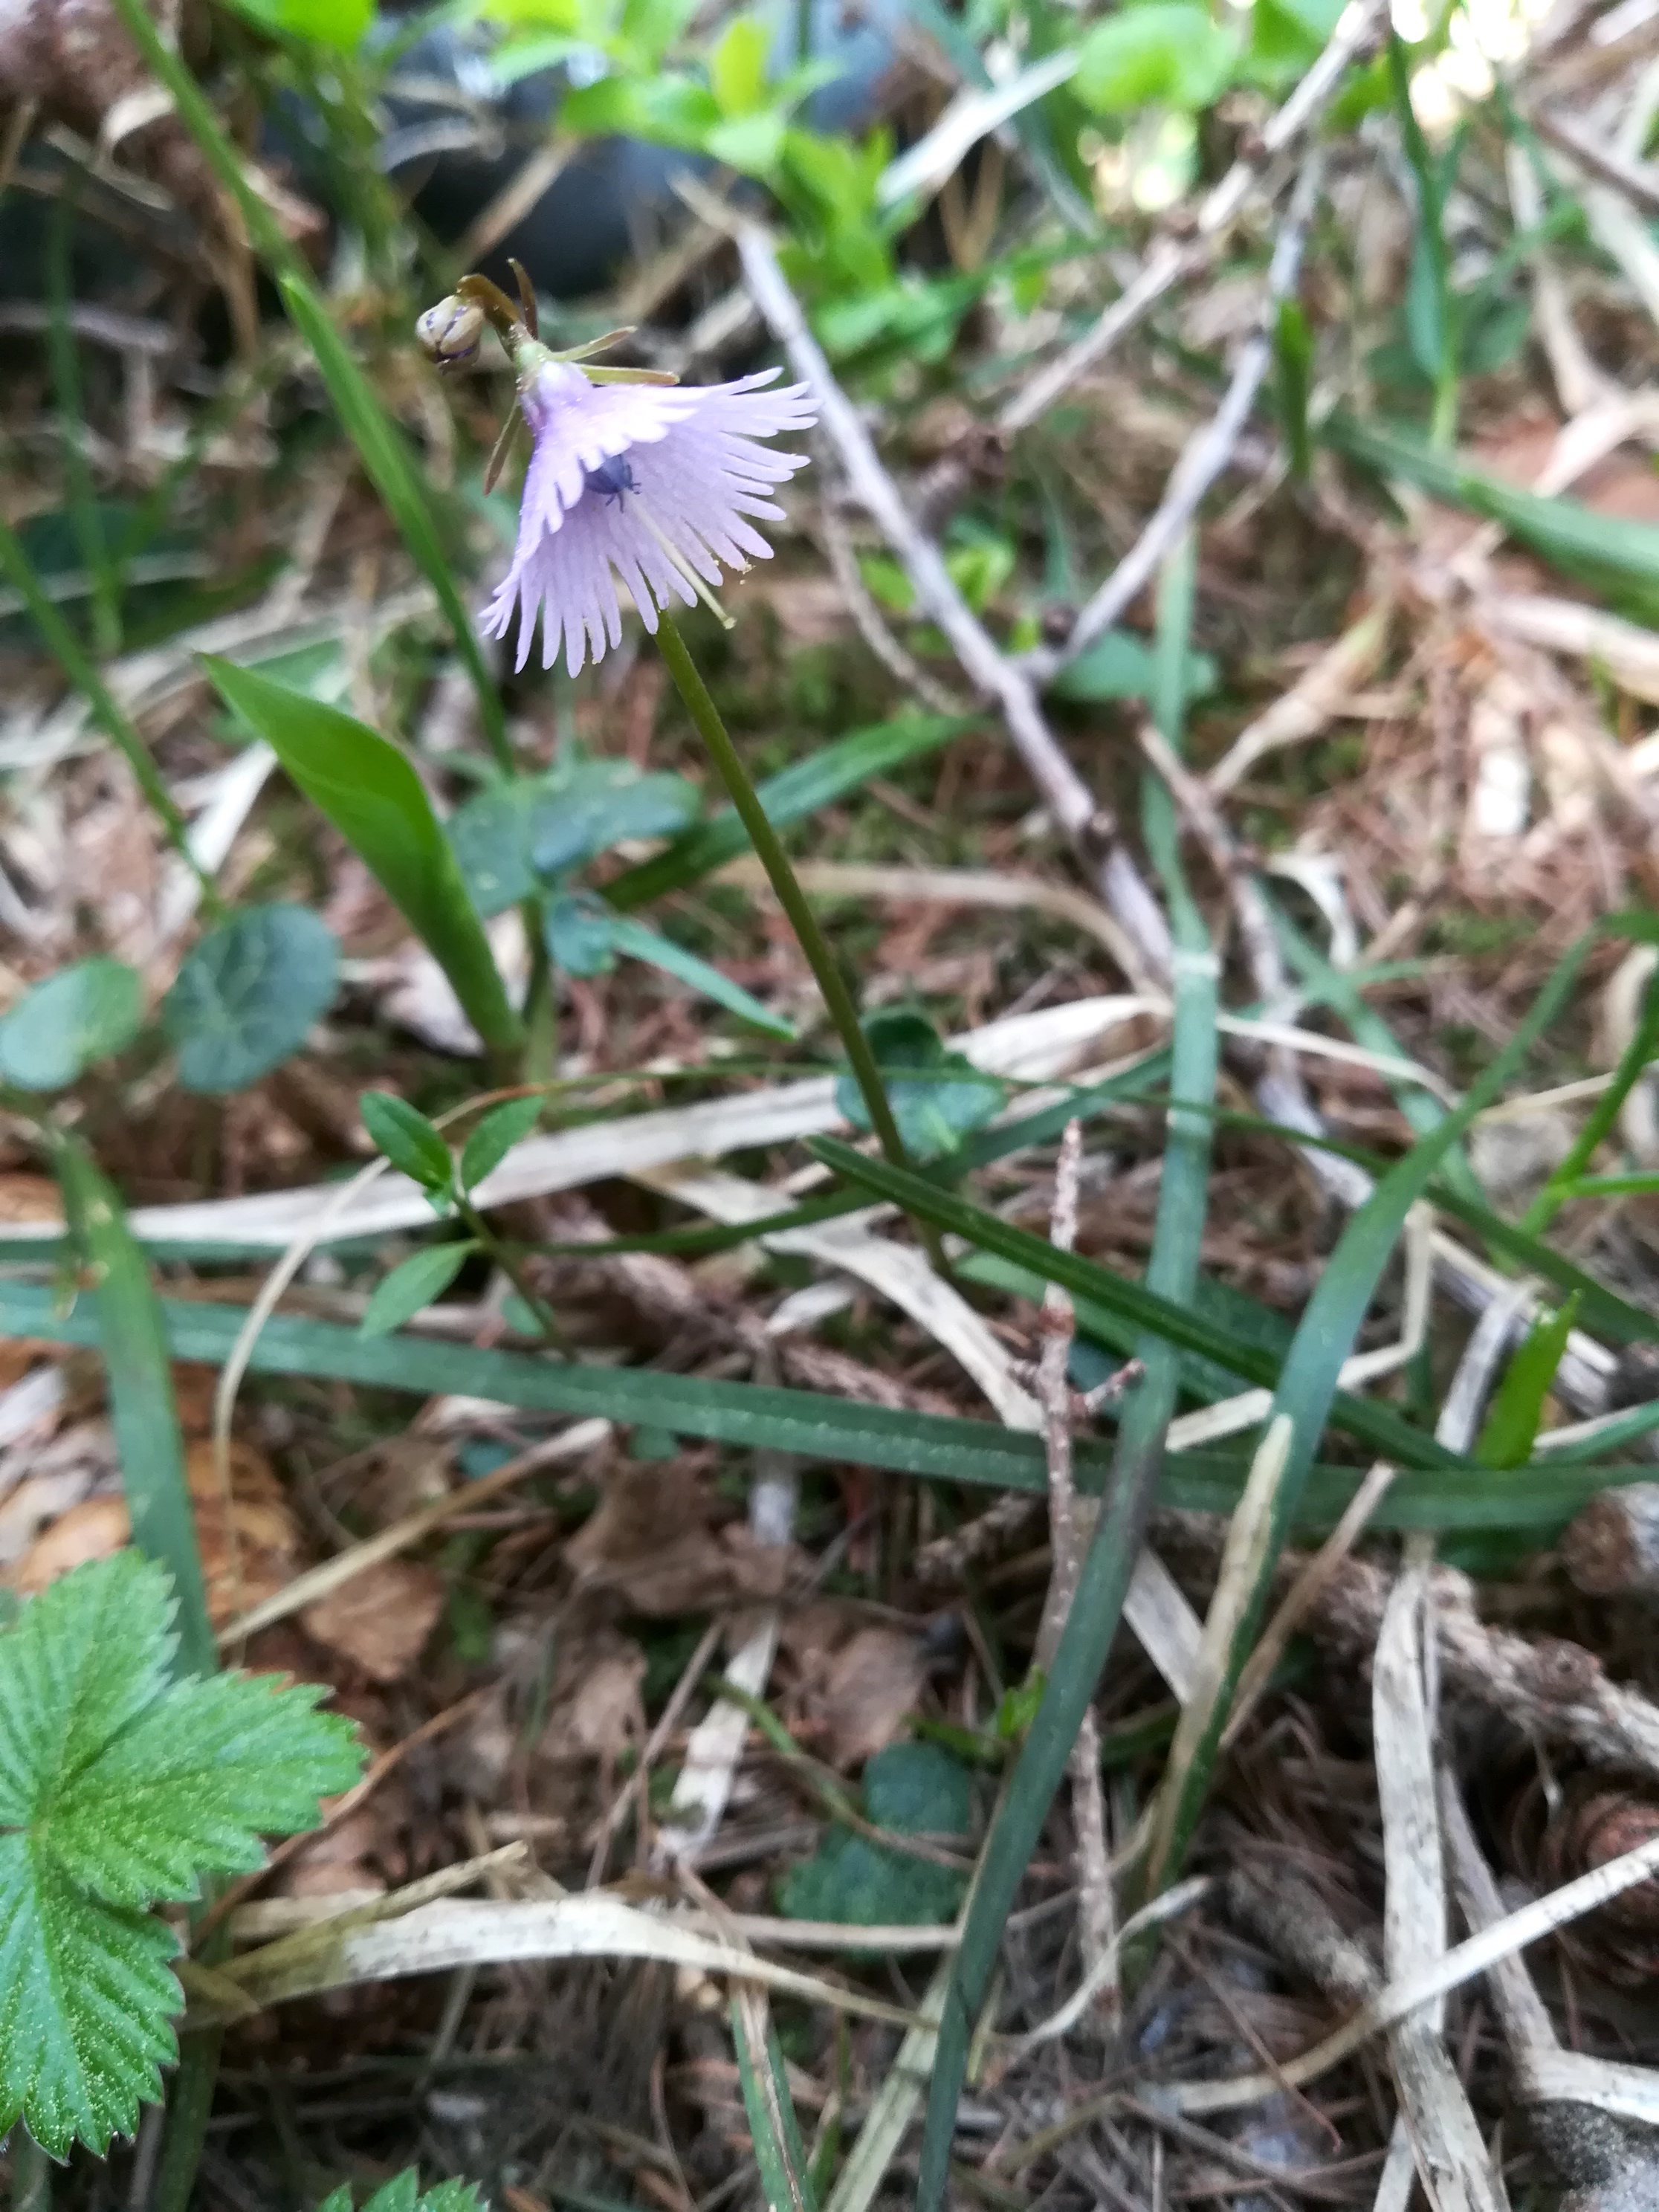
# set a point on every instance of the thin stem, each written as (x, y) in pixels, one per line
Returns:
(78, 666)
(546, 1319)
(768, 849)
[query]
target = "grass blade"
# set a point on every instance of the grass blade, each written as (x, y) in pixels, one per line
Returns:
(773, 2128)
(1184, 1326)
(1307, 1387)
(126, 1323)
(1137, 1462)
(373, 798)
(934, 1448)
(799, 790)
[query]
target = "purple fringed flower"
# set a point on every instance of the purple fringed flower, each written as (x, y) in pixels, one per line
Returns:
(649, 479)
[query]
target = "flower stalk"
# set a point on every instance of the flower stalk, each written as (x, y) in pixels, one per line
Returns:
(769, 848)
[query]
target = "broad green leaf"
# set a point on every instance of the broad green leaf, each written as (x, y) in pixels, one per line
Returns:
(494, 1137)
(737, 67)
(84, 1014)
(124, 1315)
(120, 1787)
(634, 938)
(936, 1106)
(1170, 52)
(412, 1284)
(748, 143)
(248, 994)
(339, 23)
(88, 2001)
(1511, 1425)
(581, 935)
(510, 838)
(909, 1789)
(404, 2194)
(1119, 665)
(409, 1140)
(373, 798)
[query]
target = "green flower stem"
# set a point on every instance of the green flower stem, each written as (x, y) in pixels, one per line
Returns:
(77, 664)
(768, 848)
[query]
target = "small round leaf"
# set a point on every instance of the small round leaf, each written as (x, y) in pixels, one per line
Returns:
(82, 1014)
(247, 995)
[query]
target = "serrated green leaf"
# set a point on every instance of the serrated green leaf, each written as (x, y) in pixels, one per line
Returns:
(191, 1785)
(411, 1286)
(404, 2193)
(409, 1140)
(247, 995)
(495, 1136)
(118, 1787)
(86, 1999)
(85, 1658)
(84, 1014)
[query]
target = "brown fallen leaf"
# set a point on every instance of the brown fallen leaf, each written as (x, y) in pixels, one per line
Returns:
(94, 1530)
(29, 1198)
(250, 1543)
(650, 1542)
(873, 1686)
(379, 1620)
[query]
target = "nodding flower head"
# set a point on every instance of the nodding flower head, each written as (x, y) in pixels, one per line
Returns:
(655, 484)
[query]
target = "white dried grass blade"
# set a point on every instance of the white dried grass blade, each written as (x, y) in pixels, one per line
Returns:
(1445, 2138)
(1476, 1955)
(971, 116)
(1236, 1579)
(1313, 701)
(896, 1272)
(896, 2104)
(1027, 1048)
(1173, 1902)
(437, 1938)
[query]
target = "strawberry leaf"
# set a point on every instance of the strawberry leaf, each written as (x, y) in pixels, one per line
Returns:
(120, 1786)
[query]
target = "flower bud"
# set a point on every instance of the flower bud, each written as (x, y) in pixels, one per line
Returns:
(450, 333)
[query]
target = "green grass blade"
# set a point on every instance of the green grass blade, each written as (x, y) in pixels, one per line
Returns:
(774, 2129)
(933, 1447)
(1328, 1328)
(125, 1321)
(797, 791)
(76, 664)
(1517, 1407)
(1137, 1463)
(1632, 1061)
(1617, 556)
(373, 798)
(1182, 1326)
